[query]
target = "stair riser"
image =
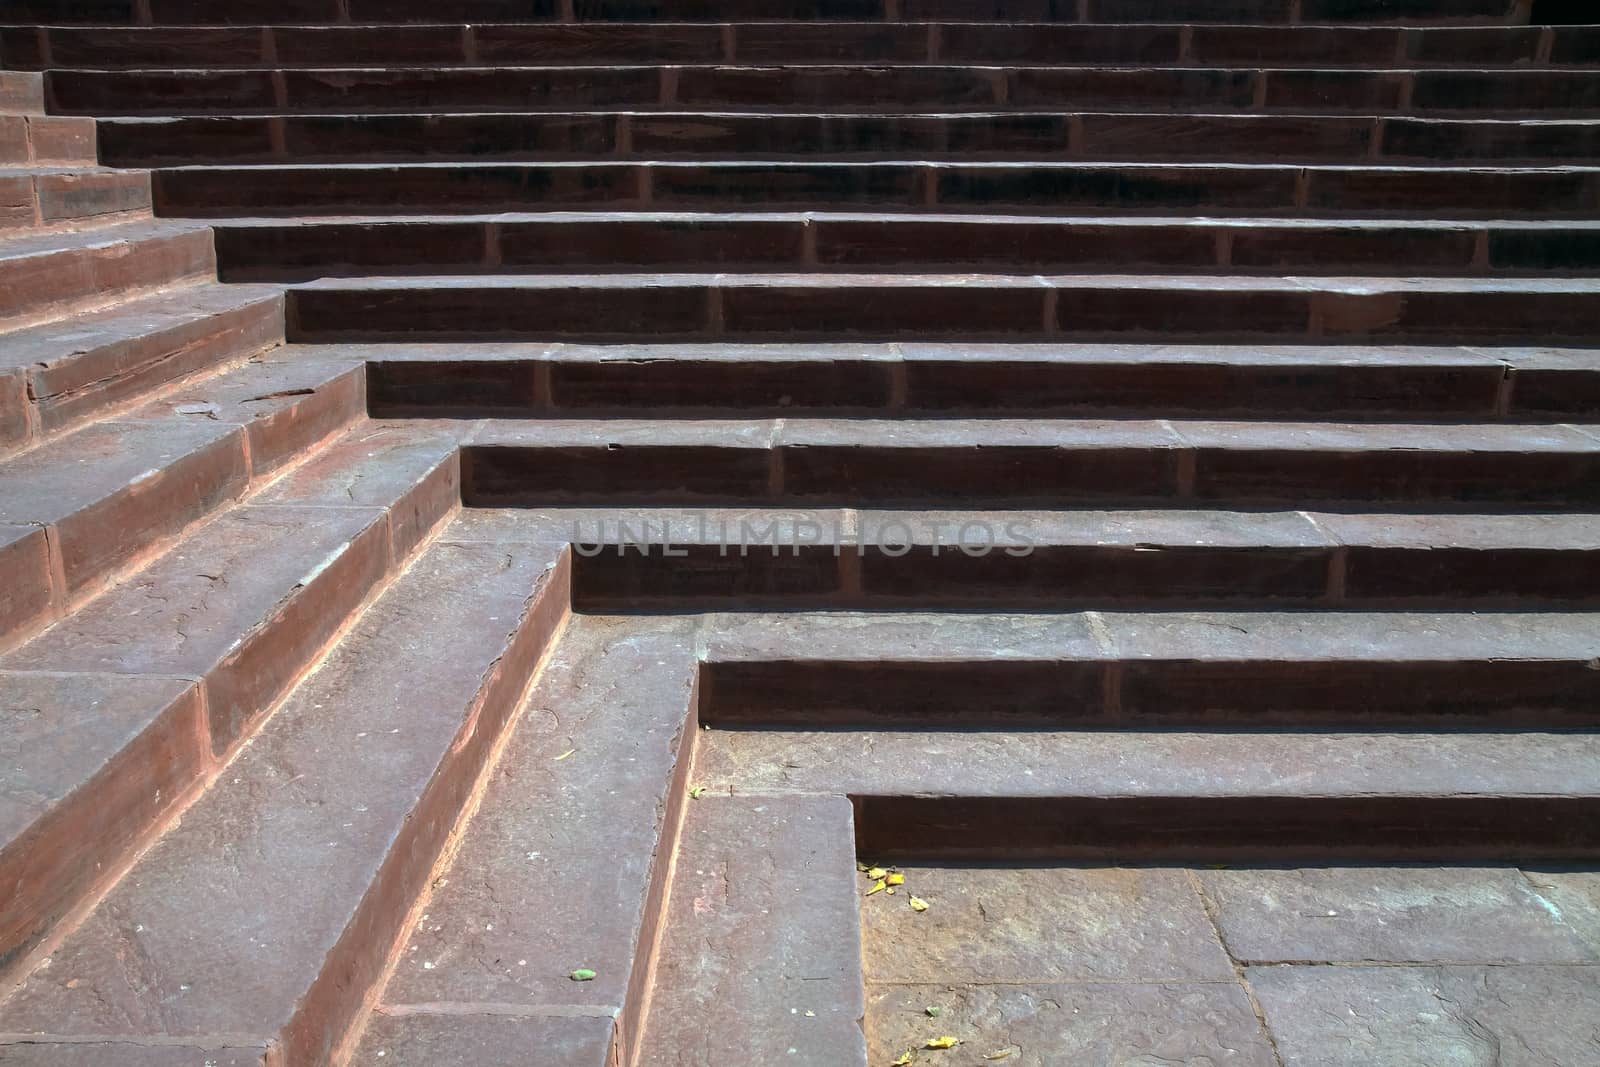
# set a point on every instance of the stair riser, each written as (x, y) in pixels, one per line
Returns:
(256, 12)
(65, 852)
(63, 47)
(1446, 93)
(686, 312)
(46, 139)
(1150, 694)
(894, 187)
(623, 579)
(28, 201)
(1195, 830)
(20, 94)
(300, 253)
(487, 137)
(38, 288)
(130, 368)
(665, 387)
(378, 927)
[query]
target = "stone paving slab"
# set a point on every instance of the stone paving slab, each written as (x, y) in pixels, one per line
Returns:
(1044, 925)
(1393, 915)
(1036, 1024)
(600, 754)
(1427, 1016)
(486, 1040)
(761, 955)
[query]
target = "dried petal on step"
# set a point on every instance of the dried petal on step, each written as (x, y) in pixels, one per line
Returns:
(941, 1042)
(896, 879)
(877, 887)
(877, 872)
(933, 1011)
(583, 974)
(565, 754)
(1003, 1054)
(918, 904)
(904, 1060)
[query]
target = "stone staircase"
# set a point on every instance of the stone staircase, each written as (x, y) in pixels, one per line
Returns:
(506, 510)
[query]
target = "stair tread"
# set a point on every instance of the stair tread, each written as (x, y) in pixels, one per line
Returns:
(755, 280)
(332, 802)
(1223, 636)
(527, 900)
(96, 359)
(733, 982)
(224, 622)
(1048, 433)
(1095, 763)
(1127, 529)
(642, 217)
(977, 354)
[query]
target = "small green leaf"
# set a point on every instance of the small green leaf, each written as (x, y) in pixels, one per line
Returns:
(697, 792)
(934, 1011)
(583, 974)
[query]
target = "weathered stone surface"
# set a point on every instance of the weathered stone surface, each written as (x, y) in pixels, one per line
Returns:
(112, 490)
(82, 366)
(286, 409)
(1399, 915)
(48, 1053)
(478, 1040)
(1026, 925)
(761, 957)
(90, 762)
(601, 753)
(1035, 1024)
(26, 597)
(215, 920)
(1425, 1016)
(244, 606)
(413, 470)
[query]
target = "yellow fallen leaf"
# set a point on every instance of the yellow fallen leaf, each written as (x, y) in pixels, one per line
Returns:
(1003, 1054)
(918, 904)
(941, 1042)
(863, 867)
(903, 1061)
(877, 872)
(891, 891)
(565, 754)
(697, 792)
(877, 887)
(896, 879)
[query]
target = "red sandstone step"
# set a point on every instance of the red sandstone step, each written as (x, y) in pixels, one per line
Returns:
(1370, 192)
(1124, 798)
(46, 140)
(683, 558)
(91, 363)
(529, 898)
(115, 491)
(768, 975)
(20, 93)
(348, 793)
(52, 196)
(1039, 137)
(302, 249)
(256, 12)
(911, 379)
(875, 307)
(165, 48)
(210, 666)
(50, 276)
(1447, 93)
(1099, 671)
